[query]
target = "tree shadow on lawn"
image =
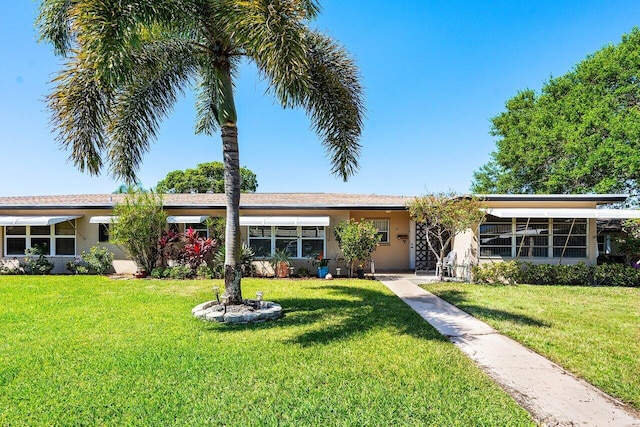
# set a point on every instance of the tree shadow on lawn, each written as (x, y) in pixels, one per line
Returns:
(331, 319)
(459, 299)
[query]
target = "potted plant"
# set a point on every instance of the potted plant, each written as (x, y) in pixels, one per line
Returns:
(280, 262)
(322, 264)
(360, 271)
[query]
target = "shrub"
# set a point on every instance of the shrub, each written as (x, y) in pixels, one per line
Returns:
(158, 273)
(357, 240)
(205, 272)
(574, 275)
(499, 273)
(197, 250)
(99, 260)
(35, 262)
(247, 255)
(538, 274)
(178, 272)
(551, 274)
(141, 222)
(615, 275)
(12, 268)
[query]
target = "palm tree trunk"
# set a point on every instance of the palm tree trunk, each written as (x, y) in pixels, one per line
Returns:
(227, 119)
(232, 267)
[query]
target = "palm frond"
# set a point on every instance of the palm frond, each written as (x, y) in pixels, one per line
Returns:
(54, 25)
(273, 33)
(163, 69)
(79, 113)
(335, 103)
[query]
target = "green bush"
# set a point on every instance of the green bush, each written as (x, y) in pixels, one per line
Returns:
(615, 275)
(158, 273)
(35, 262)
(9, 269)
(574, 275)
(247, 255)
(99, 260)
(205, 272)
(178, 272)
(498, 273)
(511, 272)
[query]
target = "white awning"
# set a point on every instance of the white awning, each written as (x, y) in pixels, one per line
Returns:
(185, 219)
(103, 219)
(35, 220)
(312, 221)
(563, 213)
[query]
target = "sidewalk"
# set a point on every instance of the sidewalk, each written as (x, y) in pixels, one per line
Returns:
(550, 394)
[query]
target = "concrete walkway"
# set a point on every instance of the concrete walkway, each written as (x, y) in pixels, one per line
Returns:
(550, 394)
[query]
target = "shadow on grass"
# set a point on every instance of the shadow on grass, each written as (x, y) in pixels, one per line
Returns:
(355, 312)
(459, 299)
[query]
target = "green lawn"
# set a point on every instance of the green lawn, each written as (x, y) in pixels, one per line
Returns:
(81, 350)
(591, 331)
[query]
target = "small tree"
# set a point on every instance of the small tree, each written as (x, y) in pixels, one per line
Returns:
(141, 221)
(445, 215)
(357, 240)
(206, 177)
(629, 244)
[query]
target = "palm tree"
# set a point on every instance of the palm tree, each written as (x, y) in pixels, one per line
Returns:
(128, 60)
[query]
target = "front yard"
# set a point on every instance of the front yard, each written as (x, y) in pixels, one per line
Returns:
(593, 332)
(83, 350)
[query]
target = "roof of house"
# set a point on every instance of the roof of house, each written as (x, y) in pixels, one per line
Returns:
(216, 201)
(598, 198)
(275, 200)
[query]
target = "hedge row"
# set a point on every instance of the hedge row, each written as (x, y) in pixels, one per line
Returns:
(512, 272)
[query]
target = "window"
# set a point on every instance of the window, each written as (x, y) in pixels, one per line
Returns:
(383, 229)
(260, 240)
(57, 239)
(296, 241)
(495, 237)
(103, 232)
(533, 238)
(604, 244)
(569, 238)
(200, 228)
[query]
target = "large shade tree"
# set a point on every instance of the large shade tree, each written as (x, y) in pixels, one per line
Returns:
(205, 178)
(580, 134)
(127, 61)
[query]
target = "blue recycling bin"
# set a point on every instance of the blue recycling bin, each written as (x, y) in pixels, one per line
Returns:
(323, 271)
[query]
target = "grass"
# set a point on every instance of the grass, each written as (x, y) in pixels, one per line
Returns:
(593, 332)
(78, 350)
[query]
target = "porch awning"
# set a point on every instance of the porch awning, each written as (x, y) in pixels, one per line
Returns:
(563, 213)
(103, 219)
(186, 219)
(312, 221)
(35, 220)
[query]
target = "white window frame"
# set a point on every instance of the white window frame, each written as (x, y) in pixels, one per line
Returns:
(550, 247)
(383, 225)
(298, 238)
(52, 236)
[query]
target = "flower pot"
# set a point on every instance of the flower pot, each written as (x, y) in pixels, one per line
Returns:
(360, 273)
(282, 270)
(141, 274)
(323, 271)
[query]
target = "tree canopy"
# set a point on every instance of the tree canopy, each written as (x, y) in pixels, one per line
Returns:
(127, 62)
(581, 134)
(206, 177)
(444, 216)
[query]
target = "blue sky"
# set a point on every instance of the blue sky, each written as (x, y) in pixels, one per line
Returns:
(435, 72)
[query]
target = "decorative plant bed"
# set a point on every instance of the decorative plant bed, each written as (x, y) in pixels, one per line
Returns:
(249, 312)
